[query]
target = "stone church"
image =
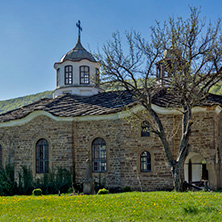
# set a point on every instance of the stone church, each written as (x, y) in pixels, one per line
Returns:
(85, 128)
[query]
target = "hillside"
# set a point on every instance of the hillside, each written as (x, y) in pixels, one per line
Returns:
(217, 89)
(11, 104)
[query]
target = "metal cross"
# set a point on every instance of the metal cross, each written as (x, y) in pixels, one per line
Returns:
(79, 27)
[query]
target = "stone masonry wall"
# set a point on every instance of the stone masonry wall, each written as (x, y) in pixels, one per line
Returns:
(124, 147)
(19, 143)
(86, 132)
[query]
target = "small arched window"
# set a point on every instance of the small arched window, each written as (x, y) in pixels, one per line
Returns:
(97, 77)
(145, 129)
(57, 77)
(0, 156)
(68, 75)
(99, 155)
(42, 156)
(84, 75)
(145, 161)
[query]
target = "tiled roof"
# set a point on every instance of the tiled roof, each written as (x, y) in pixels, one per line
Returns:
(166, 99)
(100, 104)
(72, 105)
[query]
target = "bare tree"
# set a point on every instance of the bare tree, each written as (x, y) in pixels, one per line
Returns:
(190, 66)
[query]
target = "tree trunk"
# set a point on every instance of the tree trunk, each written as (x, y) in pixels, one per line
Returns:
(178, 176)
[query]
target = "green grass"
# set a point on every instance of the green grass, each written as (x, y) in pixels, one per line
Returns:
(134, 206)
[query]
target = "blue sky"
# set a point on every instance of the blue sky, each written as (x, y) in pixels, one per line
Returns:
(34, 34)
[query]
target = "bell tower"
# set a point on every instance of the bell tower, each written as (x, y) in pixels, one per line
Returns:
(77, 72)
(169, 65)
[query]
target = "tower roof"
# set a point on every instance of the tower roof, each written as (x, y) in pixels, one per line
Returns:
(78, 53)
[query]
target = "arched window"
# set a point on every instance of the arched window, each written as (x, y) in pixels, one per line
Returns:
(97, 77)
(145, 161)
(99, 155)
(145, 129)
(58, 77)
(0, 155)
(68, 75)
(84, 75)
(42, 156)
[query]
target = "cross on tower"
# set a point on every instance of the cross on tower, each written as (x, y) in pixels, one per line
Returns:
(79, 27)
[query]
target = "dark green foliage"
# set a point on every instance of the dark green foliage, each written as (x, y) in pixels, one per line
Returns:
(7, 184)
(54, 182)
(51, 183)
(101, 183)
(70, 190)
(25, 181)
(103, 191)
(115, 190)
(11, 104)
(78, 187)
(126, 189)
(37, 192)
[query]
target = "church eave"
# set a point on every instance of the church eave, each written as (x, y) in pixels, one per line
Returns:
(59, 63)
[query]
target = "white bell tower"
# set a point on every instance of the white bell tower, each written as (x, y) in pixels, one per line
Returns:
(77, 72)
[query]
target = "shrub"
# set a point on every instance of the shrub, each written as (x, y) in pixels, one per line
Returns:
(70, 190)
(115, 190)
(100, 183)
(7, 183)
(103, 191)
(126, 189)
(50, 183)
(37, 192)
(78, 187)
(26, 181)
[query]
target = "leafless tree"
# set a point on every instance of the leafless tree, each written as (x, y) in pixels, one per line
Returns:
(191, 65)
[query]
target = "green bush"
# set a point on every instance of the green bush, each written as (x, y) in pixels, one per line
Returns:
(50, 183)
(37, 192)
(70, 190)
(8, 186)
(126, 189)
(103, 191)
(26, 181)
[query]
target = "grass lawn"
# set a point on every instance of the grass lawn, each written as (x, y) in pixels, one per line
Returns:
(134, 206)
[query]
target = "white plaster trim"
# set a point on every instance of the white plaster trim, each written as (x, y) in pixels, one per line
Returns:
(162, 110)
(218, 109)
(113, 116)
(31, 116)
